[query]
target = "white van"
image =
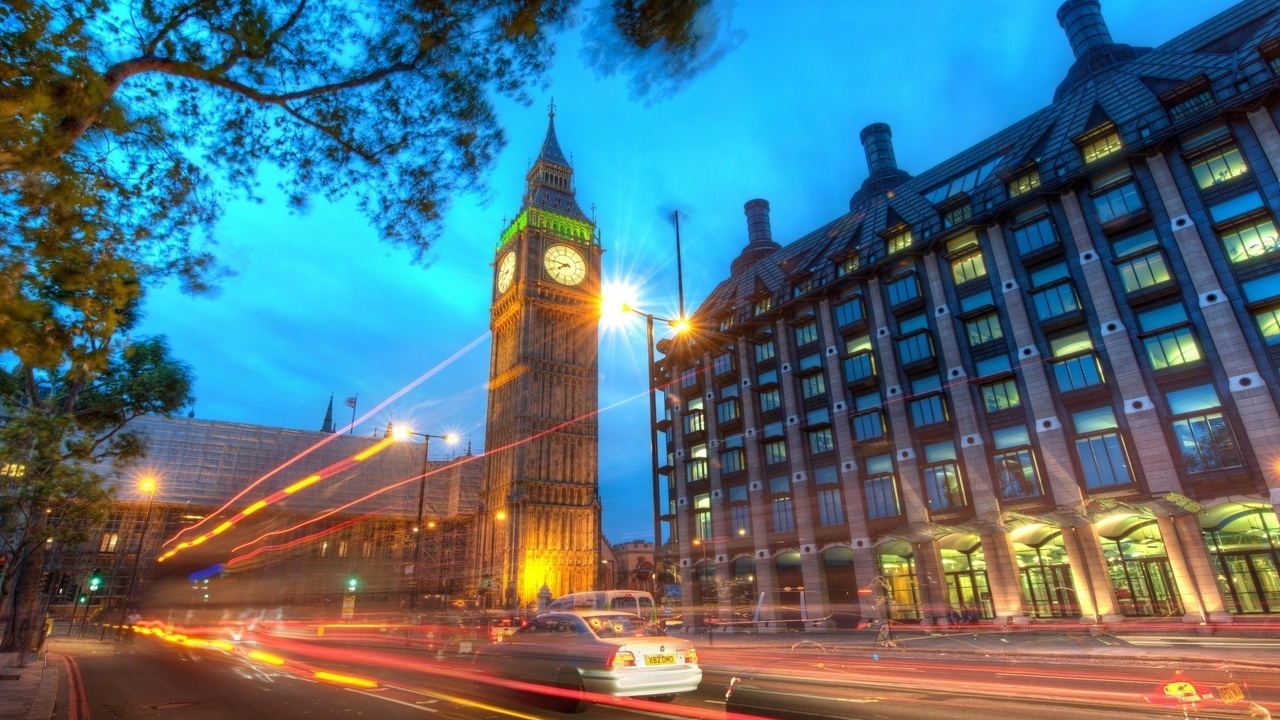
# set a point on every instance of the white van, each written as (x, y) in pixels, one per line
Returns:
(637, 602)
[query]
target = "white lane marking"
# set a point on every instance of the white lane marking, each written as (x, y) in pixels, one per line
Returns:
(434, 698)
(398, 702)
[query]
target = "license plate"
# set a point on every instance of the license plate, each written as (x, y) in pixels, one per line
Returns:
(659, 659)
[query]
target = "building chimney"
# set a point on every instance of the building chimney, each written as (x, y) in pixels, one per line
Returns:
(877, 141)
(758, 230)
(1082, 19)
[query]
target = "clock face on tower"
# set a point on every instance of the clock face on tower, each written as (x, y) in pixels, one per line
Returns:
(565, 265)
(506, 271)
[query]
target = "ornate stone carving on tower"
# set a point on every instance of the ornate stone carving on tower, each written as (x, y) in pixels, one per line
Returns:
(539, 515)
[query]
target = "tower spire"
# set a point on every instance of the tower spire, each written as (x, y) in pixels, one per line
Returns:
(550, 180)
(327, 427)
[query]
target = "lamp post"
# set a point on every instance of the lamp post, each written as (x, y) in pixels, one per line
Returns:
(148, 485)
(449, 438)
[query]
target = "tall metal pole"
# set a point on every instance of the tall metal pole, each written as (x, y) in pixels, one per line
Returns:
(653, 446)
(417, 537)
(679, 264)
(137, 558)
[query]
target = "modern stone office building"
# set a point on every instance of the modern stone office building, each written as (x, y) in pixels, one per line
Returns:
(299, 553)
(1036, 380)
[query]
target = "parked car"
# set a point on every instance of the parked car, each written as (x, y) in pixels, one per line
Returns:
(594, 653)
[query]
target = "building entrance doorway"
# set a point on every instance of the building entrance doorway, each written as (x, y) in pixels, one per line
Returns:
(1139, 568)
(1244, 542)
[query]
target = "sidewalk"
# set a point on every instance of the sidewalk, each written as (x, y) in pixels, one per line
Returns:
(1077, 644)
(27, 693)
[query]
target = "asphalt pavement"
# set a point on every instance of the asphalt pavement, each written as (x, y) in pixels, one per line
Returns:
(28, 693)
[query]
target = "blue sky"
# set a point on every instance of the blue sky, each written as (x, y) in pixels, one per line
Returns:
(320, 305)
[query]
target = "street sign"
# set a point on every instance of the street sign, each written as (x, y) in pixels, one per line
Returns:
(348, 607)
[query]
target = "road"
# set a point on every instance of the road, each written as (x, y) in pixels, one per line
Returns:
(151, 678)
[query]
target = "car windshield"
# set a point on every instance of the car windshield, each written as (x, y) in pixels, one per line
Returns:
(609, 626)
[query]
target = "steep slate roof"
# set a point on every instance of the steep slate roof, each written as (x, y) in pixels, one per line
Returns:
(1125, 93)
(543, 195)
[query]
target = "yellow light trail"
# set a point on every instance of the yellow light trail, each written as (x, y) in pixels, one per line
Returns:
(345, 679)
(266, 657)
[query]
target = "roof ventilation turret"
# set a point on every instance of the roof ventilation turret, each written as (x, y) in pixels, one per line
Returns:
(882, 166)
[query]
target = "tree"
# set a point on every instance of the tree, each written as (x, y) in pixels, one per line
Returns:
(63, 419)
(135, 107)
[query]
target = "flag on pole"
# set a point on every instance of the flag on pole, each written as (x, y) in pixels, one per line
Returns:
(351, 402)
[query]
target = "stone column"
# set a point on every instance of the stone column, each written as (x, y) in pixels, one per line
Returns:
(931, 581)
(1004, 578)
(1089, 573)
(760, 511)
(1264, 128)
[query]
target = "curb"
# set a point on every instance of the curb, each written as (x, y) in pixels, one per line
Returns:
(46, 695)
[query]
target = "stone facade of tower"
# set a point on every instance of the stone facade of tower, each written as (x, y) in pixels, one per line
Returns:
(539, 520)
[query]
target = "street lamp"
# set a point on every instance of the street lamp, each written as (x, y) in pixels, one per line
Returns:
(404, 434)
(148, 486)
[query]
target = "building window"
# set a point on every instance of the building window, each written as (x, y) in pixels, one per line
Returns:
(1218, 166)
(818, 431)
(1055, 295)
(983, 329)
(731, 455)
(813, 385)
(775, 451)
(969, 267)
(1117, 201)
(1035, 235)
(723, 363)
(728, 410)
(899, 241)
(1100, 449)
(783, 515)
(830, 508)
(849, 312)
(846, 266)
(1269, 325)
(342, 548)
(1236, 206)
(915, 348)
(1252, 239)
(770, 399)
(1204, 435)
(964, 182)
(702, 517)
(740, 519)
(688, 377)
(1171, 346)
(1024, 183)
(1100, 145)
(366, 549)
(868, 418)
(977, 301)
(765, 350)
(763, 305)
(1075, 365)
(807, 333)
(903, 289)
(802, 287)
(957, 215)
(1140, 262)
(109, 542)
(1000, 395)
(1015, 463)
(942, 477)
(927, 406)
(880, 488)
(694, 419)
(1191, 105)
(859, 366)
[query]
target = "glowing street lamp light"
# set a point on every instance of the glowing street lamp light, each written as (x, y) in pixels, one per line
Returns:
(403, 433)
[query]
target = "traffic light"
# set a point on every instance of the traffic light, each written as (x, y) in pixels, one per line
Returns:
(352, 584)
(84, 599)
(95, 580)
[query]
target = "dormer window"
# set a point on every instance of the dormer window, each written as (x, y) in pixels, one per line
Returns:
(1271, 53)
(763, 304)
(847, 265)
(1100, 143)
(803, 286)
(1189, 99)
(957, 215)
(1024, 183)
(899, 240)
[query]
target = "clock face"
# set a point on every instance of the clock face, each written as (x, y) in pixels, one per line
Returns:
(506, 271)
(565, 265)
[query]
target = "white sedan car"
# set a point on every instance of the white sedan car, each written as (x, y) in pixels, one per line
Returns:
(590, 653)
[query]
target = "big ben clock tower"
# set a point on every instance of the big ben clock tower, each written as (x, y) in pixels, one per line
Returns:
(539, 516)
